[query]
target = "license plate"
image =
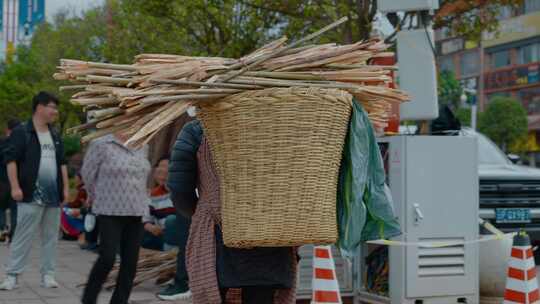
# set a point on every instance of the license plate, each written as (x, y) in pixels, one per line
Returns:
(513, 215)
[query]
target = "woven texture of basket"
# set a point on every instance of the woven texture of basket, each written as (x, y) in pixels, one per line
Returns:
(278, 153)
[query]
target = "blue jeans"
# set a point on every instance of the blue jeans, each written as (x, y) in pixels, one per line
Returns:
(180, 226)
(176, 234)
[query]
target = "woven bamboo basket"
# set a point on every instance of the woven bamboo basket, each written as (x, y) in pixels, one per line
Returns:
(277, 153)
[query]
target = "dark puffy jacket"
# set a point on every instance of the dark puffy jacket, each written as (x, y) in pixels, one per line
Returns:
(182, 180)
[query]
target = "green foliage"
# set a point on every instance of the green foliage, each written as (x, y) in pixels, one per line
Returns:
(32, 67)
(464, 116)
(206, 28)
(231, 28)
(504, 121)
(72, 145)
(121, 29)
(472, 18)
(449, 89)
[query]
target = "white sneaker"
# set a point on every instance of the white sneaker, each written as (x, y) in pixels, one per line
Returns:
(175, 297)
(49, 282)
(9, 283)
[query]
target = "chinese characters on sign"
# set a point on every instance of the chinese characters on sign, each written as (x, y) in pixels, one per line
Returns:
(515, 77)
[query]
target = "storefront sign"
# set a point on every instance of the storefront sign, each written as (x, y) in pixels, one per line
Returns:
(451, 46)
(533, 76)
(520, 76)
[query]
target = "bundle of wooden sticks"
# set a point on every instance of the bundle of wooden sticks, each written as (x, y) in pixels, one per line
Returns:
(143, 97)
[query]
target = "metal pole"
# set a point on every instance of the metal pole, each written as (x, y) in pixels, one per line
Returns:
(473, 116)
(481, 78)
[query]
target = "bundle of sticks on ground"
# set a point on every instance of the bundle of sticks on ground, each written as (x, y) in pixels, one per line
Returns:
(152, 265)
(144, 97)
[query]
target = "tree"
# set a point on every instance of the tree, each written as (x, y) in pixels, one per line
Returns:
(470, 18)
(32, 67)
(300, 16)
(121, 29)
(449, 89)
(464, 116)
(204, 27)
(504, 121)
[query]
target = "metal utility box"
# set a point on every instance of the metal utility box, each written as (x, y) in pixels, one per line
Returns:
(434, 184)
(417, 74)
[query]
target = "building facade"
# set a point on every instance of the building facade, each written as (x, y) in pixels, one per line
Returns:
(509, 61)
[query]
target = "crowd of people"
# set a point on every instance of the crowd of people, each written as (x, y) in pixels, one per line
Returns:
(115, 213)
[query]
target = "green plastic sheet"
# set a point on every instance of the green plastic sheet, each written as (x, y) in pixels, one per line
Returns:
(364, 204)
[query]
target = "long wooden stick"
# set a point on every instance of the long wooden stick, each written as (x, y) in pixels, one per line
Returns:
(95, 78)
(271, 83)
(283, 50)
(117, 119)
(206, 84)
(95, 101)
(183, 97)
(181, 92)
(103, 132)
(73, 87)
(106, 112)
(124, 67)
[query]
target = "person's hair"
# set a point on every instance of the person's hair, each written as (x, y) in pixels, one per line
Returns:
(13, 123)
(43, 98)
(164, 157)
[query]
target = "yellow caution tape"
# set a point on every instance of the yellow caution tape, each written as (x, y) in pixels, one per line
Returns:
(496, 237)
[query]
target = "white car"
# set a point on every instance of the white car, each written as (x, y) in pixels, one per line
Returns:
(509, 193)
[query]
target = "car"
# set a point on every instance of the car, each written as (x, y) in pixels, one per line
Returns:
(509, 193)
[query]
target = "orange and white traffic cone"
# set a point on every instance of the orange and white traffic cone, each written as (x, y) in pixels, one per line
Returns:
(325, 283)
(521, 283)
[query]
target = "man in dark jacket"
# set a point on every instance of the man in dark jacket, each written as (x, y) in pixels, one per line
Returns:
(38, 179)
(5, 194)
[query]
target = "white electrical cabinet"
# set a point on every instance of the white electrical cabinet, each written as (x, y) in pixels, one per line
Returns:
(434, 184)
(417, 74)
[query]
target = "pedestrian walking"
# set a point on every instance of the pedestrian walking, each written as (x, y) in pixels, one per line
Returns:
(38, 178)
(264, 275)
(116, 178)
(6, 202)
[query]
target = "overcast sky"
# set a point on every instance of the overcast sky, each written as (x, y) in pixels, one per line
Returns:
(53, 6)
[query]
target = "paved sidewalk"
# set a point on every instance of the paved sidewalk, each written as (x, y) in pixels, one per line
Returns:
(73, 267)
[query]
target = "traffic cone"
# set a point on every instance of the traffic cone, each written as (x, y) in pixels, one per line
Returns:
(521, 283)
(325, 284)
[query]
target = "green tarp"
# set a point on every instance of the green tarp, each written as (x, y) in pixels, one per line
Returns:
(364, 204)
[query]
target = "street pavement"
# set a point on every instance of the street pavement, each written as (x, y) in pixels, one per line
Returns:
(72, 270)
(73, 266)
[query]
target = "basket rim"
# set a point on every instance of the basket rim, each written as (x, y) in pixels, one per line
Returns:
(278, 95)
